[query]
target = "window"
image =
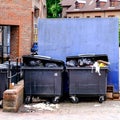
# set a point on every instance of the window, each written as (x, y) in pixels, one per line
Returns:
(112, 3)
(100, 3)
(76, 16)
(79, 4)
(88, 17)
(76, 5)
(97, 3)
(111, 15)
(97, 16)
(36, 12)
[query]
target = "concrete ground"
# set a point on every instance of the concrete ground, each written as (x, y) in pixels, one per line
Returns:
(87, 110)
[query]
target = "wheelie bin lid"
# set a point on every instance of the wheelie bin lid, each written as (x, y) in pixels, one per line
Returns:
(44, 59)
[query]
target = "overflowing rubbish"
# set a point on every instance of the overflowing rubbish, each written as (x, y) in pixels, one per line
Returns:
(99, 64)
(35, 63)
(51, 65)
(84, 61)
(95, 62)
(97, 68)
(71, 63)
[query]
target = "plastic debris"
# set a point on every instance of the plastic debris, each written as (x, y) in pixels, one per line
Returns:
(41, 107)
(97, 68)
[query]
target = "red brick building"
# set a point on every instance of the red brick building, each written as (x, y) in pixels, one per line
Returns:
(21, 16)
(90, 8)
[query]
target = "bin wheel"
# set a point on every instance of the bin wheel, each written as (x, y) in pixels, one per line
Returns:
(74, 99)
(56, 100)
(27, 100)
(101, 99)
(105, 98)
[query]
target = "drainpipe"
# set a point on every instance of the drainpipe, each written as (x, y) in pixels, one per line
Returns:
(32, 32)
(2, 43)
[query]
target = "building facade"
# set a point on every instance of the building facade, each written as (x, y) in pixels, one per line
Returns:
(18, 21)
(90, 8)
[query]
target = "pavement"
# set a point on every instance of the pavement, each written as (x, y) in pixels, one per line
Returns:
(84, 110)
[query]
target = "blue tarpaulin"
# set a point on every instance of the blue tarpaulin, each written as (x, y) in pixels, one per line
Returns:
(59, 38)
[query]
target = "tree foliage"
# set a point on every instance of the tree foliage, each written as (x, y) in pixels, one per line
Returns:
(53, 8)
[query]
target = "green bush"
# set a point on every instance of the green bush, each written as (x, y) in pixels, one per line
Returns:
(53, 8)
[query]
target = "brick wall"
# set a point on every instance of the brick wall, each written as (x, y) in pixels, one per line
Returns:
(18, 14)
(14, 41)
(93, 14)
(13, 98)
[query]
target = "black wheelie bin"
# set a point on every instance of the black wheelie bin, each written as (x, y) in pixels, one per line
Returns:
(42, 77)
(3, 79)
(87, 76)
